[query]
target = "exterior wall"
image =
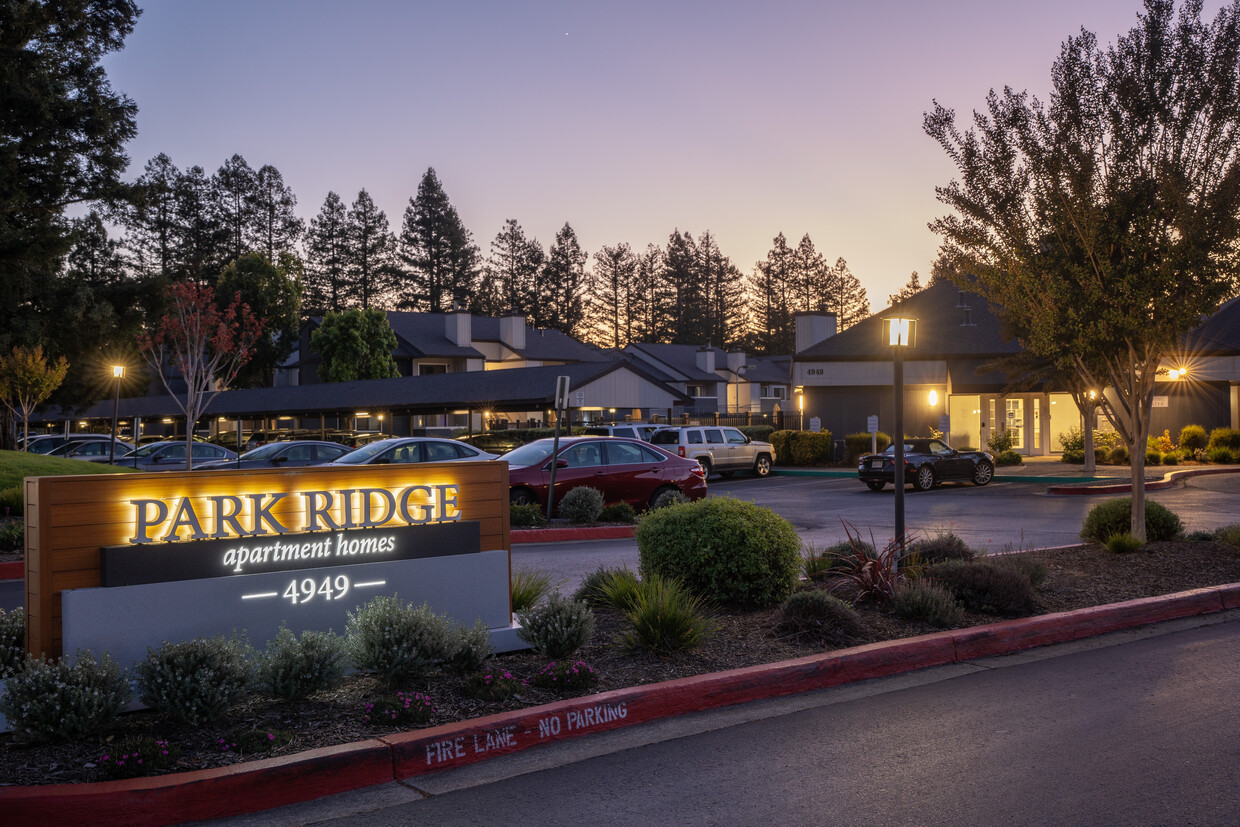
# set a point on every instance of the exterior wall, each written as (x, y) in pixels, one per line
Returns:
(845, 410)
(879, 372)
(1191, 402)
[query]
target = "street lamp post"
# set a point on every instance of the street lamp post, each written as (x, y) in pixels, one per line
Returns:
(118, 373)
(899, 334)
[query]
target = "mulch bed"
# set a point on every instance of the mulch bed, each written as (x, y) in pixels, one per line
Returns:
(1079, 577)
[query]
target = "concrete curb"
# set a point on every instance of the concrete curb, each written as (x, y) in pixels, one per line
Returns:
(1169, 479)
(261, 785)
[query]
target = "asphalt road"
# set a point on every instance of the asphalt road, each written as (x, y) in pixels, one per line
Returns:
(1136, 728)
(999, 517)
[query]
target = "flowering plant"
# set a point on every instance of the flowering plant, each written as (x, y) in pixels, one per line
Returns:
(138, 755)
(402, 709)
(493, 686)
(565, 676)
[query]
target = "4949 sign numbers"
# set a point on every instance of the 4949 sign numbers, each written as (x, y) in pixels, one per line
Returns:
(307, 589)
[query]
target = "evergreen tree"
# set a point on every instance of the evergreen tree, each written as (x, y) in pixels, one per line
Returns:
(234, 188)
(613, 304)
(150, 220)
(724, 288)
(690, 323)
(327, 258)
(562, 296)
(810, 274)
(913, 286)
(844, 296)
(202, 240)
(512, 271)
(94, 258)
(655, 299)
(772, 291)
(275, 227)
(370, 248)
(439, 257)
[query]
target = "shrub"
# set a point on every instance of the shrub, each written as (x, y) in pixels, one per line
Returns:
(136, 756)
(761, 433)
(12, 502)
(616, 588)
(565, 676)
(1073, 457)
(1198, 536)
(665, 618)
(1073, 439)
(62, 701)
(728, 550)
(400, 709)
(1172, 458)
(529, 516)
(1101, 454)
(493, 686)
(557, 628)
(581, 504)
(293, 668)
(471, 648)
(924, 601)
(1229, 534)
(1113, 517)
(397, 641)
(529, 586)
(1224, 438)
(669, 498)
(1000, 441)
(862, 574)
(1193, 438)
(944, 546)
(816, 564)
(1008, 458)
(983, 587)
(817, 617)
(195, 681)
(12, 537)
(808, 448)
(1123, 543)
(857, 444)
(780, 441)
(12, 641)
(618, 513)
(1221, 455)
(1153, 458)
(1031, 568)
(1164, 443)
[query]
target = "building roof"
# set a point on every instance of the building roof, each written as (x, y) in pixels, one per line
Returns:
(679, 362)
(425, 334)
(950, 323)
(1219, 334)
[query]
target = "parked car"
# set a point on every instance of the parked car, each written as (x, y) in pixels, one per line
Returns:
(496, 442)
(927, 462)
(625, 470)
(633, 430)
(717, 449)
(412, 449)
(46, 443)
(92, 450)
(170, 456)
(291, 454)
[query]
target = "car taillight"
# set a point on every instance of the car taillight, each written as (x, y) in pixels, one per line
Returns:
(699, 471)
(681, 450)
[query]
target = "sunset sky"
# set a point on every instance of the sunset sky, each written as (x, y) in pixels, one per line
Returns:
(627, 119)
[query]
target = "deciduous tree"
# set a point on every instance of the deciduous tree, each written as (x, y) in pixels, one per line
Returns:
(27, 379)
(273, 295)
(355, 344)
(1107, 221)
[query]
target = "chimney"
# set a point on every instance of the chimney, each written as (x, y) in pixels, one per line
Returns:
(706, 359)
(512, 330)
(813, 328)
(459, 327)
(736, 361)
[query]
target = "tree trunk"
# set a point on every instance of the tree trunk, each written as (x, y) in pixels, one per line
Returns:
(1091, 419)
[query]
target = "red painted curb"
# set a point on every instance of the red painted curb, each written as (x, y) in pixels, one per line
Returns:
(261, 785)
(552, 535)
(13, 570)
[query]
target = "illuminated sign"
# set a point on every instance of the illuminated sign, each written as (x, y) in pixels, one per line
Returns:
(227, 515)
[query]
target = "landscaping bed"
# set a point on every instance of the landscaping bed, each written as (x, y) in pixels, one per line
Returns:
(1078, 577)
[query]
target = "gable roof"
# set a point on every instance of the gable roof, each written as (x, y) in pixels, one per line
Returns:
(1219, 334)
(679, 362)
(425, 334)
(950, 323)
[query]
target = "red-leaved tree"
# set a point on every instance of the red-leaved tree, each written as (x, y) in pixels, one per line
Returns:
(205, 344)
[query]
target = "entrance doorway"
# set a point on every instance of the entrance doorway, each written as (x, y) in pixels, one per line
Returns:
(1015, 421)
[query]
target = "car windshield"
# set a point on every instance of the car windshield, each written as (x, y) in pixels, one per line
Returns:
(366, 452)
(265, 451)
(535, 453)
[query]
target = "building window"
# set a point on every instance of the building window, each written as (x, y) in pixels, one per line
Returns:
(428, 370)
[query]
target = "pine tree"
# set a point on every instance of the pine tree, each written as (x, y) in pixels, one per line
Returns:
(94, 258)
(439, 257)
(562, 297)
(233, 187)
(613, 304)
(201, 238)
(512, 272)
(690, 319)
(275, 227)
(370, 253)
(150, 220)
(325, 286)
(772, 291)
(810, 274)
(913, 286)
(655, 299)
(844, 296)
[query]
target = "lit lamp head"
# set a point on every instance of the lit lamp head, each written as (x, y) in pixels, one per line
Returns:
(900, 332)
(118, 371)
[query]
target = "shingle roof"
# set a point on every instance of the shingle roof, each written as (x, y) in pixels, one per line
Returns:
(682, 359)
(425, 334)
(1219, 334)
(950, 323)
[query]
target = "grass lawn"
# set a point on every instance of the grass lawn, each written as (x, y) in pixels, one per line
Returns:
(15, 465)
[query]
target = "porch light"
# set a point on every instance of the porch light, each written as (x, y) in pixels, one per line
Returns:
(934, 398)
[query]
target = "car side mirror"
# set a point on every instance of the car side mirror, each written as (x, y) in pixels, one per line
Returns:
(955, 453)
(561, 463)
(278, 460)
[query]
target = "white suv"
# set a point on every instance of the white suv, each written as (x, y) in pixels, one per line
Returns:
(719, 450)
(633, 430)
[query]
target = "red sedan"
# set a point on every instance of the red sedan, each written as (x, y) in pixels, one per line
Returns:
(625, 470)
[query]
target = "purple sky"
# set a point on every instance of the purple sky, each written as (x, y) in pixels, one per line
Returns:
(626, 120)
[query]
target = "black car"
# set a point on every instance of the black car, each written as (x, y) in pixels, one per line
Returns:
(291, 454)
(927, 462)
(170, 456)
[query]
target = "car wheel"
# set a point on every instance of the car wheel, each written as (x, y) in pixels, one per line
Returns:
(874, 485)
(522, 496)
(923, 480)
(983, 473)
(665, 491)
(705, 463)
(762, 466)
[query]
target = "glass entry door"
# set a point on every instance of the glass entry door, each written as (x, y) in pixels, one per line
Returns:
(1016, 422)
